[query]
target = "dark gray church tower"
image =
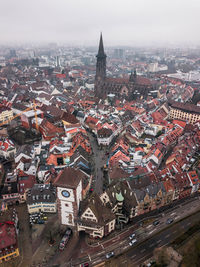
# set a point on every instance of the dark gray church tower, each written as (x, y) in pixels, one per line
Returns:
(100, 68)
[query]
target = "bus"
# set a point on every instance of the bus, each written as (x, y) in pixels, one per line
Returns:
(65, 239)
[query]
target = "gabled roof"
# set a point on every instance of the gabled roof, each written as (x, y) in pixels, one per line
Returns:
(69, 177)
(102, 213)
(118, 173)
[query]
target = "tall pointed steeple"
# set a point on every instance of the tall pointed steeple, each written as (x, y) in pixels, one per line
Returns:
(101, 62)
(100, 69)
(101, 48)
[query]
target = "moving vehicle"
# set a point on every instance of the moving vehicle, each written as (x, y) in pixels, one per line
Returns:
(156, 222)
(169, 221)
(132, 236)
(86, 264)
(65, 239)
(132, 242)
(110, 254)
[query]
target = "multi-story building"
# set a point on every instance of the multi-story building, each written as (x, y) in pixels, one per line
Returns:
(184, 111)
(95, 219)
(7, 148)
(41, 197)
(8, 235)
(133, 87)
(6, 113)
(69, 184)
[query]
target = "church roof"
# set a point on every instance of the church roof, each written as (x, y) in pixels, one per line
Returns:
(139, 80)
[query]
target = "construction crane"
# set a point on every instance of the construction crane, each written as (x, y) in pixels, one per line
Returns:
(19, 114)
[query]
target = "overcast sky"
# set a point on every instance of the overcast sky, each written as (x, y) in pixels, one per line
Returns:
(79, 22)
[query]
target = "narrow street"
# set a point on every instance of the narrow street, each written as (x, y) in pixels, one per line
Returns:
(99, 159)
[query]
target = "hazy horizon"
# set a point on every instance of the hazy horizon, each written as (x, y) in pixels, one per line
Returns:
(79, 22)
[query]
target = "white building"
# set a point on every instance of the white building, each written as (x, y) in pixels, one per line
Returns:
(41, 197)
(69, 195)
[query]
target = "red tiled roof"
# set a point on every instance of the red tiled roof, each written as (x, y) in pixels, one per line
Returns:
(7, 235)
(188, 107)
(194, 177)
(180, 123)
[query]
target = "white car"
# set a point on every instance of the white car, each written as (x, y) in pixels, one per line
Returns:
(110, 254)
(131, 236)
(132, 242)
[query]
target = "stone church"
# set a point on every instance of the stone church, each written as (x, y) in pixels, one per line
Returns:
(132, 88)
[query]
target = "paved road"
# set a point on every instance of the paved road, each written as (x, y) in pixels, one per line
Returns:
(149, 235)
(99, 161)
(145, 250)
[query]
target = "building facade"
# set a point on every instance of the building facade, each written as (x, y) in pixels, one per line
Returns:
(69, 195)
(6, 113)
(41, 197)
(94, 218)
(184, 111)
(132, 88)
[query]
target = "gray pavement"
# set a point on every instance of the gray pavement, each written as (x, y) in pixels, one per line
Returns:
(99, 161)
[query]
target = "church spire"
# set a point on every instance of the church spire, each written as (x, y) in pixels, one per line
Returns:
(101, 48)
(100, 68)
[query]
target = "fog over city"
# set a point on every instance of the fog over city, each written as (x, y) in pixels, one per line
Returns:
(79, 22)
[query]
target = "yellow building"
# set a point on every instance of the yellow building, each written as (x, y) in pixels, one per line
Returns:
(6, 113)
(184, 111)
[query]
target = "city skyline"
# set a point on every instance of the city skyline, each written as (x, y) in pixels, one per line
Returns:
(132, 23)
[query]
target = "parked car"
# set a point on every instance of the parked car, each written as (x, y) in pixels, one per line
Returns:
(156, 222)
(169, 221)
(110, 254)
(40, 221)
(132, 236)
(132, 242)
(86, 264)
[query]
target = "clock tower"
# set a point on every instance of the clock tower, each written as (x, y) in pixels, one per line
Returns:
(69, 194)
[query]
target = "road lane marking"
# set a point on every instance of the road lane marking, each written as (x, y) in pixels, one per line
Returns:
(159, 241)
(175, 232)
(149, 226)
(97, 261)
(167, 235)
(145, 257)
(133, 256)
(151, 245)
(189, 223)
(151, 232)
(143, 250)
